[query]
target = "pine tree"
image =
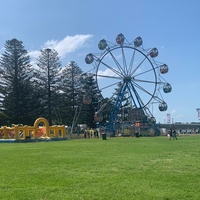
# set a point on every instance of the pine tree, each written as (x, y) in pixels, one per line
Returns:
(47, 80)
(71, 92)
(92, 99)
(18, 102)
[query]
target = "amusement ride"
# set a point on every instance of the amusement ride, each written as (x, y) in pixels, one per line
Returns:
(128, 75)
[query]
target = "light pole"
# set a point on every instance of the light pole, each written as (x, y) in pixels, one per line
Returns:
(73, 123)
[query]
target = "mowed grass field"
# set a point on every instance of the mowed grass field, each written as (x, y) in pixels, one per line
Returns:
(116, 168)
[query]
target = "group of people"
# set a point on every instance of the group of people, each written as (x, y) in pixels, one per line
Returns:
(172, 134)
(90, 133)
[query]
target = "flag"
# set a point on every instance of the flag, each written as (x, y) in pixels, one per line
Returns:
(168, 118)
(198, 110)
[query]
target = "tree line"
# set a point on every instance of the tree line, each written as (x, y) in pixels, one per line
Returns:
(46, 89)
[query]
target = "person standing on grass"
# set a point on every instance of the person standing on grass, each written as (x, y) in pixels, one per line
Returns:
(97, 132)
(85, 133)
(169, 134)
(174, 134)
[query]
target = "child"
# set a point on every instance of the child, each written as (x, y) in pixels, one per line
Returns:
(168, 135)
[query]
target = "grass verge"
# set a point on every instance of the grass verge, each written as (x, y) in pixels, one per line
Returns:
(117, 168)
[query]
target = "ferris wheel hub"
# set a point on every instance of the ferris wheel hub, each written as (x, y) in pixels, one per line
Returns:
(127, 78)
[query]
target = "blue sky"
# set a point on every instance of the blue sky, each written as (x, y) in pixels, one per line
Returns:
(74, 28)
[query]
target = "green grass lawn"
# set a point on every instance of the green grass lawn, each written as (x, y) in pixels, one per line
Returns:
(116, 168)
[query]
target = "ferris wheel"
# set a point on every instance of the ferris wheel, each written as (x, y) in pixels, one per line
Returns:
(127, 72)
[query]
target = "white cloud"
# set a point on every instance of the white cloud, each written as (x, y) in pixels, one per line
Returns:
(68, 44)
(34, 54)
(63, 47)
(107, 72)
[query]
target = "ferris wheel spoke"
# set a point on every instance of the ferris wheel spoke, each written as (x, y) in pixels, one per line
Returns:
(142, 89)
(144, 81)
(139, 65)
(105, 76)
(112, 69)
(108, 86)
(124, 62)
(131, 62)
(150, 70)
(117, 64)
